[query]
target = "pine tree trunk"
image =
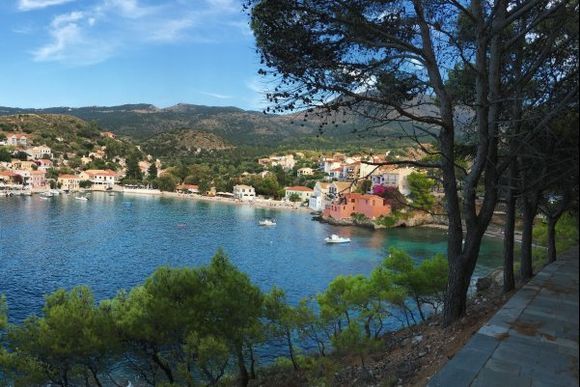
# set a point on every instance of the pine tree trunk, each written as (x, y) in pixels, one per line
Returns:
(508, 242)
(291, 349)
(552, 239)
(529, 214)
(244, 377)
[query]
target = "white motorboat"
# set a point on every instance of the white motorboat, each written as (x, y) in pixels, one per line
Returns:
(83, 198)
(46, 195)
(336, 239)
(267, 222)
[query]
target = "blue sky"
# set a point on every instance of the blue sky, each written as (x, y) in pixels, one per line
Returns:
(110, 52)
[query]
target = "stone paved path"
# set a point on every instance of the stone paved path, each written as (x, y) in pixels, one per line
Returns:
(531, 341)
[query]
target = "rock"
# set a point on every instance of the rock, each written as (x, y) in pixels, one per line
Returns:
(417, 339)
(483, 283)
(422, 354)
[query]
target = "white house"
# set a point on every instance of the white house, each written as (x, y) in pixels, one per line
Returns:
(394, 178)
(39, 152)
(319, 198)
(305, 171)
(100, 177)
(18, 139)
(244, 192)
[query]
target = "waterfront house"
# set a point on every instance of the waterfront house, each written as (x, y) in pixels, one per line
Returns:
(244, 192)
(69, 182)
(10, 178)
(337, 188)
(303, 193)
(393, 177)
(38, 180)
(319, 198)
(371, 206)
(100, 177)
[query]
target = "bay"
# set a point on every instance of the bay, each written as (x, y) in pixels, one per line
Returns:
(114, 242)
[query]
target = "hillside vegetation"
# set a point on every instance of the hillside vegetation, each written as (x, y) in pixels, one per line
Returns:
(62, 133)
(183, 142)
(240, 127)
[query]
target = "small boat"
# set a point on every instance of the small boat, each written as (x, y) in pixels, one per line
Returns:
(336, 239)
(267, 222)
(83, 198)
(46, 195)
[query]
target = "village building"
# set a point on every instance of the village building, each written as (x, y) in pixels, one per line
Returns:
(338, 188)
(305, 171)
(100, 177)
(287, 162)
(38, 180)
(319, 198)
(244, 192)
(69, 182)
(18, 139)
(25, 165)
(393, 177)
(371, 206)
(40, 152)
(10, 178)
(302, 192)
(44, 164)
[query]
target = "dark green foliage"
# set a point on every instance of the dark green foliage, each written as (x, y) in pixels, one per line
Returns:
(5, 154)
(85, 184)
(166, 182)
(420, 186)
(190, 324)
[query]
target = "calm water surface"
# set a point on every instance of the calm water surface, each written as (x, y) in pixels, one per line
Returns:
(115, 242)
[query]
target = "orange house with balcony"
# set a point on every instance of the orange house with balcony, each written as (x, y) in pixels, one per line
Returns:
(371, 206)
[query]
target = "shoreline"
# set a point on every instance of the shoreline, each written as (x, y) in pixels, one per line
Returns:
(256, 203)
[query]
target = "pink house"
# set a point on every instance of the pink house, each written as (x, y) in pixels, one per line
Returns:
(371, 206)
(37, 179)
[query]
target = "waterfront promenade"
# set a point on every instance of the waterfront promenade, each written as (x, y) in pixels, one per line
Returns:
(531, 341)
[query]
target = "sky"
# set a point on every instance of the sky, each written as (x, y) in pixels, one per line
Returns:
(110, 52)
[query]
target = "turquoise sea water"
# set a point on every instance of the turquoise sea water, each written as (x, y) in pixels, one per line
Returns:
(115, 242)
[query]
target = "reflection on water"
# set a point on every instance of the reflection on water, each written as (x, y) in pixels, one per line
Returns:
(115, 242)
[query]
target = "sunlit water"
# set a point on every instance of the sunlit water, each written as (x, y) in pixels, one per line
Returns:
(115, 242)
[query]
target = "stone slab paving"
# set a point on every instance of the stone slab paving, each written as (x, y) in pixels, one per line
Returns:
(531, 341)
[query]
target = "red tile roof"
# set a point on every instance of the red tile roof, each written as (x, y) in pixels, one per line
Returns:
(299, 188)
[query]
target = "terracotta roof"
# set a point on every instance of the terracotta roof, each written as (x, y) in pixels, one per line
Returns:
(100, 172)
(362, 196)
(37, 172)
(8, 173)
(299, 188)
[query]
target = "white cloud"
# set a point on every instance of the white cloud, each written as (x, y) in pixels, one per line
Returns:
(258, 88)
(28, 5)
(70, 42)
(216, 95)
(95, 33)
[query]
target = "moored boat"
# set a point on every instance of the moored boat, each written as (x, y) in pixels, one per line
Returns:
(336, 239)
(267, 222)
